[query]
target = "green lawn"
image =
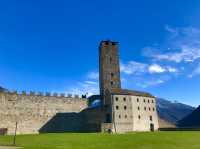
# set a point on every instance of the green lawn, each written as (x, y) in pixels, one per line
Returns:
(157, 140)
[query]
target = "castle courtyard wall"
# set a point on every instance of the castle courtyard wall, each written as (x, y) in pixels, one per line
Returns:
(33, 112)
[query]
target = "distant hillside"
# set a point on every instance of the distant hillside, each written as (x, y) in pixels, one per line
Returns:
(192, 120)
(172, 111)
(2, 89)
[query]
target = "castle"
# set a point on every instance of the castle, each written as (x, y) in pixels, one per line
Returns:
(121, 110)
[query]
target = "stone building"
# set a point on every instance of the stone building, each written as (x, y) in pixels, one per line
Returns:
(125, 110)
(121, 110)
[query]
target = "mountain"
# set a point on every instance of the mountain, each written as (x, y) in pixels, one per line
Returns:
(2, 89)
(191, 120)
(172, 112)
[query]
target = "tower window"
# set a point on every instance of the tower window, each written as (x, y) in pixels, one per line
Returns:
(153, 109)
(148, 101)
(137, 99)
(119, 116)
(125, 116)
(152, 101)
(138, 108)
(111, 83)
(110, 59)
(112, 75)
(106, 43)
(117, 107)
(144, 100)
(145, 108)
(149, 109)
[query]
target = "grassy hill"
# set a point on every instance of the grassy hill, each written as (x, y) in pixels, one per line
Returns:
(157, 140)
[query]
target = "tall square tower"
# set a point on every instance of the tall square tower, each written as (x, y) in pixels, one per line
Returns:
(109, 69)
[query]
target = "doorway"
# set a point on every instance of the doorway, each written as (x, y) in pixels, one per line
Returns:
(151, 127)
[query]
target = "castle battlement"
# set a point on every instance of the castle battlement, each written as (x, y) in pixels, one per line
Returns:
(44, 94)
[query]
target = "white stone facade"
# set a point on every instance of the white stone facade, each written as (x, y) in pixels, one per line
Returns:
(134, 113)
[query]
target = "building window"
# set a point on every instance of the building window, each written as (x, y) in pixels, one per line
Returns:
(111, 83)
(139, 117)
(124, 98)
(149, 109)
(145, 108)
(106, 43)
(117, 107)
(110, 59)
(138, 108)
(137, 99)
(152, 101)
(153, 109)
(125, 116)
(148, 101)
(112, 75)
(150, 118)
(125, 107)
(119, 116)
(116, 99)
(144, 100)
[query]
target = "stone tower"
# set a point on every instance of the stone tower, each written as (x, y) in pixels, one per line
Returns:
(109, 70)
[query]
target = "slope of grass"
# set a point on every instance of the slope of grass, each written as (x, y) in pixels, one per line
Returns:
(157, 140)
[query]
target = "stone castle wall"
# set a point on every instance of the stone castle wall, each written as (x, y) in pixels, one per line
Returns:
(33, 112)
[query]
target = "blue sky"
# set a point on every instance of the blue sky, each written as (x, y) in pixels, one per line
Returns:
(53, 45)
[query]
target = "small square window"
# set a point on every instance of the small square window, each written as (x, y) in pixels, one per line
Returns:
(112, 75)
(111, 83)
(116, 99)
(110, 59)
(139, 117)
(117, 107)
(125, 107)
(150, 118)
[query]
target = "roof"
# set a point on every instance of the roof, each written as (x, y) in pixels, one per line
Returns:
(118, 91)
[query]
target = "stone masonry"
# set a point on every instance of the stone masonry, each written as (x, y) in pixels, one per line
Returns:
(32, 112)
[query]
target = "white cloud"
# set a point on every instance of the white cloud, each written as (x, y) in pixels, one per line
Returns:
(87, 87)
(93, 75)
(171, 69)
(187, 54)
(195, 72)
(148, 83)
(182, 45)
(133, 67)
(138, 68)
(155, 68)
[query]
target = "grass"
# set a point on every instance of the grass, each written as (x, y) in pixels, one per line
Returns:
(145, 140)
